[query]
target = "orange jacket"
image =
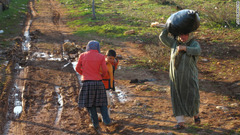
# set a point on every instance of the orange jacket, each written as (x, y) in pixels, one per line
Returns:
(108, 79)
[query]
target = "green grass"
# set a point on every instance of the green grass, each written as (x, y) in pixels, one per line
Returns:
(10, 20)
(114, 17)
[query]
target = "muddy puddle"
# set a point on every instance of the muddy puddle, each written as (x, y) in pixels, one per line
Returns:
(60, 104)
(26, 44)
(121, 95)
(17, 90)
(44, 56)
(15, 97)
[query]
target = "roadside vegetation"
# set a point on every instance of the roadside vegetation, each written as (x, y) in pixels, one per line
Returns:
(217, 33)
(12, 23)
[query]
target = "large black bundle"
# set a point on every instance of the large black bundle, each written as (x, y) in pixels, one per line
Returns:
(183, 22)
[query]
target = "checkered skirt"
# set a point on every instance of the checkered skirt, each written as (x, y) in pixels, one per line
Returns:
(91, 94)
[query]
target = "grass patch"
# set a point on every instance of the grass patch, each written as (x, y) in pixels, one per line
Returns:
(115, 17)
(12, 21)
(192, 129)
(103, 30)
(132, 14)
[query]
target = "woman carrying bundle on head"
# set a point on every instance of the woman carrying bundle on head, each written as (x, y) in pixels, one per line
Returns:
(183, 64)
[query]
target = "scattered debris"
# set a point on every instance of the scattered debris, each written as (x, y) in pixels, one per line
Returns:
(119, 57)
(142, 87)
(222, 108)
(132, 86)
(70, 48)
(234, 105)
(1, 31)
(205, 60)
(35, 34)
(157, 25)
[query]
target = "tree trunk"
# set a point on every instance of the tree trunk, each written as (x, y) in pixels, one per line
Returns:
(93, 10)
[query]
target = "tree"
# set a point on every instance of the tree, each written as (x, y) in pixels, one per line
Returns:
(93, 10)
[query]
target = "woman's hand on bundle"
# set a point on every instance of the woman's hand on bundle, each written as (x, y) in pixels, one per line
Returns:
(181, 48)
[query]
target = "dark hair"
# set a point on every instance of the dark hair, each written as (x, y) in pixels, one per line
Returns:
(111, 53)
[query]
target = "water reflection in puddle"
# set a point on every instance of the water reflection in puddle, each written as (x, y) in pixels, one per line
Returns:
(121, 95)
(17, 91)
(26, 43)
(45, 56)
(74, 64)
(5, 63)
(60, 102)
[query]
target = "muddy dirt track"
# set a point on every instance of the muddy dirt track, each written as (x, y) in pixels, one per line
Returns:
(48, 88)
(43, 100)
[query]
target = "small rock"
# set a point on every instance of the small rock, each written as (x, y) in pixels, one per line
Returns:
(132, 86)
(234, 105)
(222, 108)
(142, 87)
(157, 25)
(119, 57)
(129, 32)
(205, 60)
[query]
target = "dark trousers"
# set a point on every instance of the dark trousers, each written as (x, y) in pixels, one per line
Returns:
(94, 117)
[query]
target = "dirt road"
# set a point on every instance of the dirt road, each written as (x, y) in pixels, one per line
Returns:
(44, 97)
(45, 85)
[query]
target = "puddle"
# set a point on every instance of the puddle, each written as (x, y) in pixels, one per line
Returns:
(5, 63)
(26, 44)
(121, 95)
(74, 64)
(45, 56)
(15, 98)
(17, 91)
(66, 65)
(60, 102)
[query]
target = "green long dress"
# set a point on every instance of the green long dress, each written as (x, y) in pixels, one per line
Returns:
(183, 76)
